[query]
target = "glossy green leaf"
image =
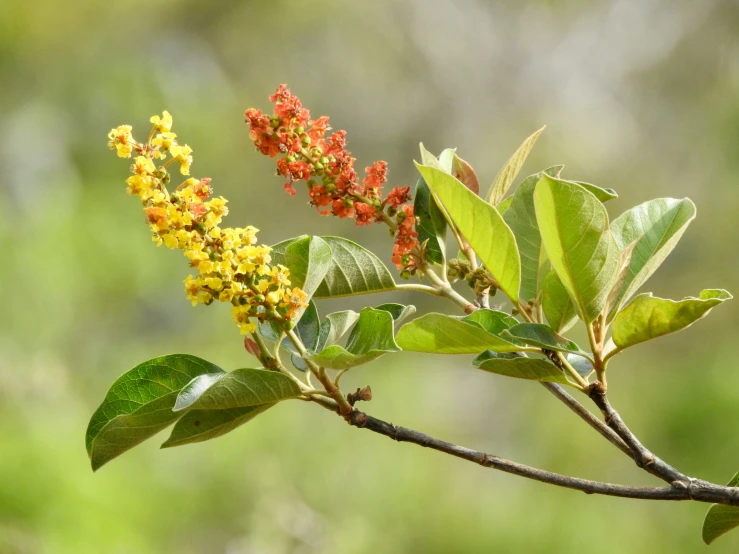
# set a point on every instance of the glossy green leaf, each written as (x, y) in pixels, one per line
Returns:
(721, 519)
(654, 227)
(521, 218)
(648, 317)
(308, 259)
(578, 242)
(194, 389)
(442, 334)
(353, 269)
(444, 162)
(558, 307)
(139, 405)
(335, 326)
(543, 336)
(202, 425)
(241, 388)
(371, 338)
(308, 328)
(398, 311)
(613, 300)
(492, 321)
(481, 225)
(581, 364)
(446, 159)
(431, 224)
(504, 205)
(521, 367)
(604, 195)
(508, 173)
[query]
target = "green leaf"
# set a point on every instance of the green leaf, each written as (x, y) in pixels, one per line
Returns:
(604, 195)
(721, 519)
(430, 223)
(521, 218)
(492, 321)
(581, 248)
(482, 226)
(543, 336)
(371, 337)
(444, 162)
(308, 259)
(504, 205)
(239, 389)
(582, 365)
(139, 405)
(446, 159)
(655, 227)
(398, 311)
(202, 425)
(521, 368)
(648, 317)
(508, 173)
(559, 309)
(335, 326)
(355, 270)
(308, 328)
(442, 334)
(194, 389)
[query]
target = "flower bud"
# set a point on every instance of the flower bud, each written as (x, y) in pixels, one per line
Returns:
(251, 347)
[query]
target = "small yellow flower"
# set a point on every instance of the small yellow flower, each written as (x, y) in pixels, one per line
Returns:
(262, 285)
(139, 185)
(162, 124)
(226, 294)
(164, 142)
(121, 140)
(170, 241)
(182, 154)
(241, 318)
(214, 283)
(274, 297)
(143, 166)
(280, 275)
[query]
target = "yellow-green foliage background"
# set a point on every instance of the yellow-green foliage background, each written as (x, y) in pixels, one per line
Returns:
(641, 96)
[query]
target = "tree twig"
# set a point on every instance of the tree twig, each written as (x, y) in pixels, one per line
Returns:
(587, 416)
(691, 489)
(642, 456)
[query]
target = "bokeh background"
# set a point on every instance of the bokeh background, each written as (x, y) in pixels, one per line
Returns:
(638, 95)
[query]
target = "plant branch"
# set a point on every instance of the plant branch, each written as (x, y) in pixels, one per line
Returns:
(343, 405)
(588, 417)
(689, 489)
(642, 456)
(445, 289)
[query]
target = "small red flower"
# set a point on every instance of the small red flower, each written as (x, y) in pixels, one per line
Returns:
(398, 196)
(198, 210)
(376, 176)
(307, 154)
(342, 209)
(202, 188)
(365, 213)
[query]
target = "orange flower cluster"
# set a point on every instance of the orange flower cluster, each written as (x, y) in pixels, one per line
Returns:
(307, 154)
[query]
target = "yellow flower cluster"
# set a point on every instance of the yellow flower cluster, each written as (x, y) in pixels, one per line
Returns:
(231, 266)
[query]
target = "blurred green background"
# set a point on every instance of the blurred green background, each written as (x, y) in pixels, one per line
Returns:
(638, 95)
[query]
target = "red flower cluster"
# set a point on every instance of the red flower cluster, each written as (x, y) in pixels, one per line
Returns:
(328, 168)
